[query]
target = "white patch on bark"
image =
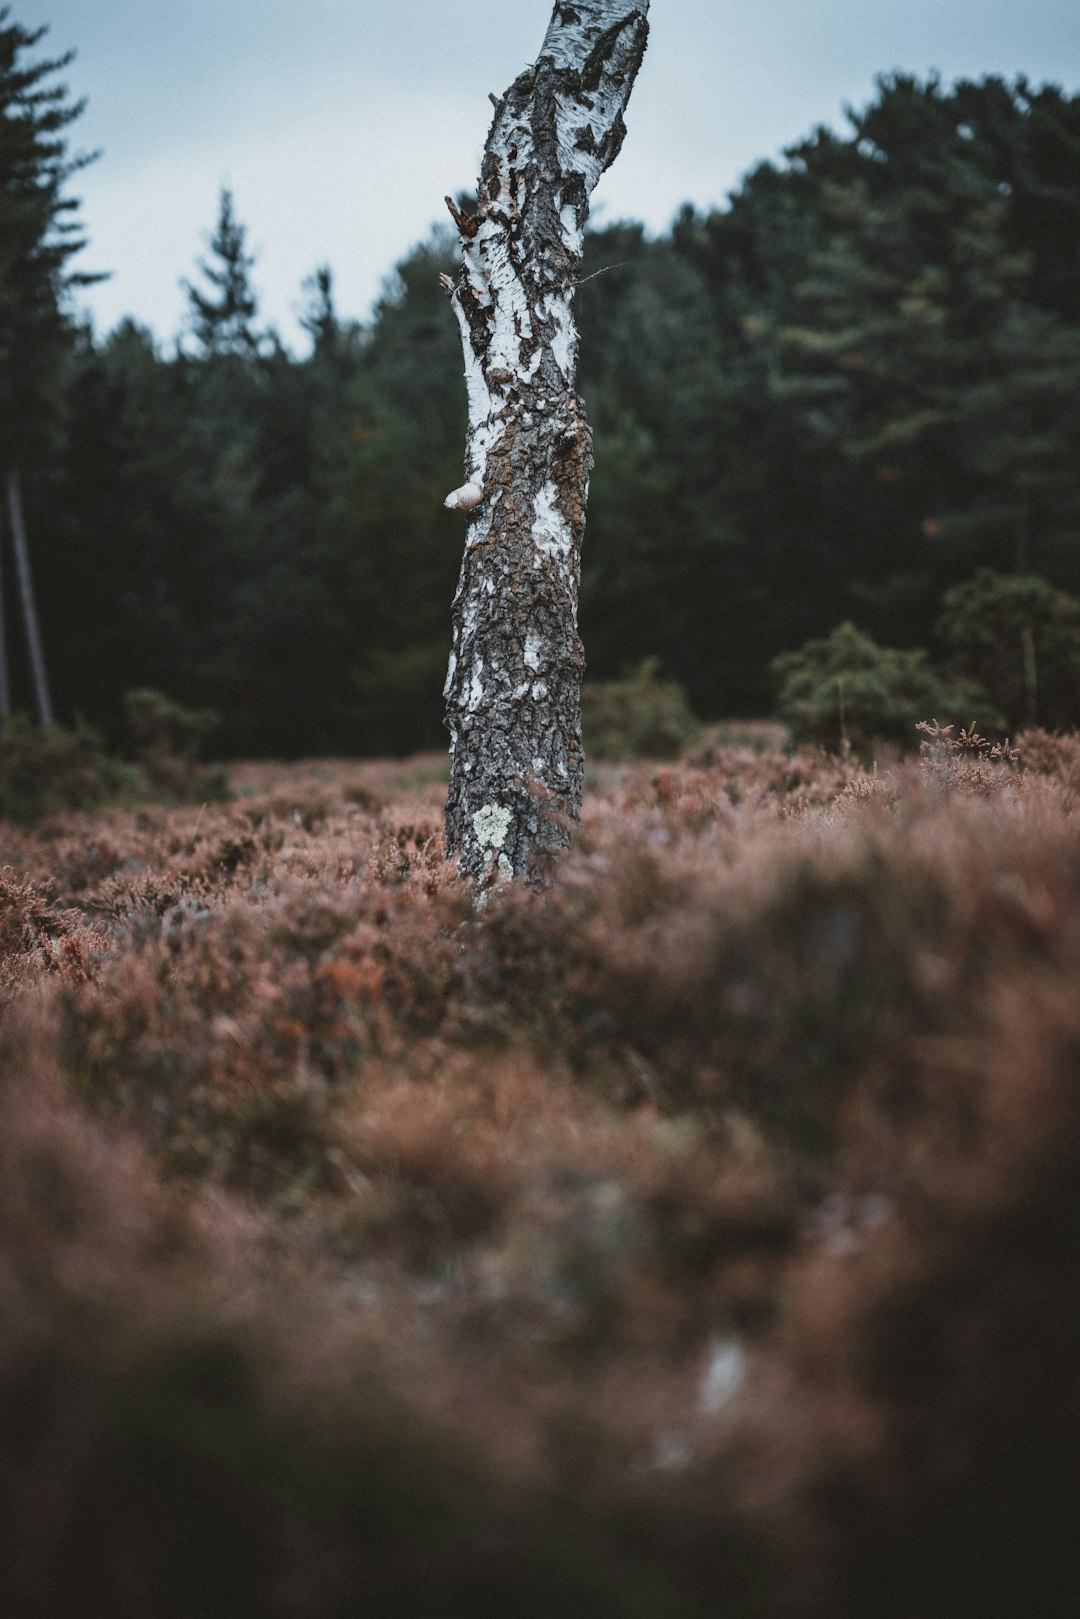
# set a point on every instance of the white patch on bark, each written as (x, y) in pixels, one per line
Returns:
(476, 686)
(573, 235)
(574, 120)
(480, 527)
(550, 530)
(534, 645)
(497, 286)
(450, 673)
(491, 824)
(484, 428)
(564, 341)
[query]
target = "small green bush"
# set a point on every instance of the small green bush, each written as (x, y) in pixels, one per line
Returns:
(167, 739)
(845, 692)
(1020, 639)
(641, 716)
(45, 769)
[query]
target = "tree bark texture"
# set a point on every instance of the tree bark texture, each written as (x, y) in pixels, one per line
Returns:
(513, 689)
(26, 590)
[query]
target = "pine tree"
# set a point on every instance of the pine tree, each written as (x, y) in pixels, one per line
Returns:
(1020, 639)
(928, 345)
(37, 239)
(38, 236)
(318, 316)
(222, 317)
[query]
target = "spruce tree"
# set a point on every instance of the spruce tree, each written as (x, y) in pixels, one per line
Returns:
(318, 316)
(38, 237)
(927, 351)
(222, 316)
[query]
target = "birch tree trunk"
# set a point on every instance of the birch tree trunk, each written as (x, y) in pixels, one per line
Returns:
(513, 689)
(26, 590)
(5, 679)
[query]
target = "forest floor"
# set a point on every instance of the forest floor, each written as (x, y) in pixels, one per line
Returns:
(698, 1235)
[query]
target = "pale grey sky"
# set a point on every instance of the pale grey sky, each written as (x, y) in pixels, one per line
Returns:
(340, 124)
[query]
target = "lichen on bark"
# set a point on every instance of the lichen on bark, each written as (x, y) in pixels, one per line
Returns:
(514, 681)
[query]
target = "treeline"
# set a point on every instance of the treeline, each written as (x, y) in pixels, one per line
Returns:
(834, 399)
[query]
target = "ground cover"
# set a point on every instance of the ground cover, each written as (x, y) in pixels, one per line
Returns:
(696, 1235)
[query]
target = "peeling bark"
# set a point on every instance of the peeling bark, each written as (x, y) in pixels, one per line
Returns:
(513, 689)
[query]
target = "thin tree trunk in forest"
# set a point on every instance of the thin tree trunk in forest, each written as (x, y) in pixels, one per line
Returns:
(513, 688)
(5, 678)
(26, 590)
(1031, 678)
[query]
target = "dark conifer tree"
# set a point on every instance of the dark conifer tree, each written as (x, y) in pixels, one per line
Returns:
(318, 316)
(835, 398)
(222, 316)
(38, 237)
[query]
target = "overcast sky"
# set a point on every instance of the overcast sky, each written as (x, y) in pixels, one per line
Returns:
(340, 124)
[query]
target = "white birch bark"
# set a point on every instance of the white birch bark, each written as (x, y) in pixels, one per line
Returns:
(514, 681)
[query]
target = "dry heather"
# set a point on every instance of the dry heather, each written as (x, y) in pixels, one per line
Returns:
(699, 1235)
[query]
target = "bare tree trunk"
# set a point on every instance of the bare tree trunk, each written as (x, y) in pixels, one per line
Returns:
(26, 590)
(5, 678)
(1031, 678)
(513, 689)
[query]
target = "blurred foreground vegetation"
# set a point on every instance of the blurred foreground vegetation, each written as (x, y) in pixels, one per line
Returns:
(705, 1225)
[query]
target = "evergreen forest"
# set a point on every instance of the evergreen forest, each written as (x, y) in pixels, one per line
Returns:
(849, 392)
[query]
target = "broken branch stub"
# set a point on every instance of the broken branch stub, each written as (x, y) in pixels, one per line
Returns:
(513, 688)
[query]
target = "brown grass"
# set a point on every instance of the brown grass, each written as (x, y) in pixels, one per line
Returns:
(704, 1226)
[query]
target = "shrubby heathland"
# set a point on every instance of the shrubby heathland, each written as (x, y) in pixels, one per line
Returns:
(705, 1225)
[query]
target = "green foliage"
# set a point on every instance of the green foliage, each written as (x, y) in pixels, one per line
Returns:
(44, 769)
(167, 739)
(1020, 639)
(878, 335)
(37, 235)
(922, 334)
(662, 550)
(48, 769)
(222, 317)
(160, 726)
(844, 691)
(903, 345)
(641, 716)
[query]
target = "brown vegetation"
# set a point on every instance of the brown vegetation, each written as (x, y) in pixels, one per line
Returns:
(697, 1235)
